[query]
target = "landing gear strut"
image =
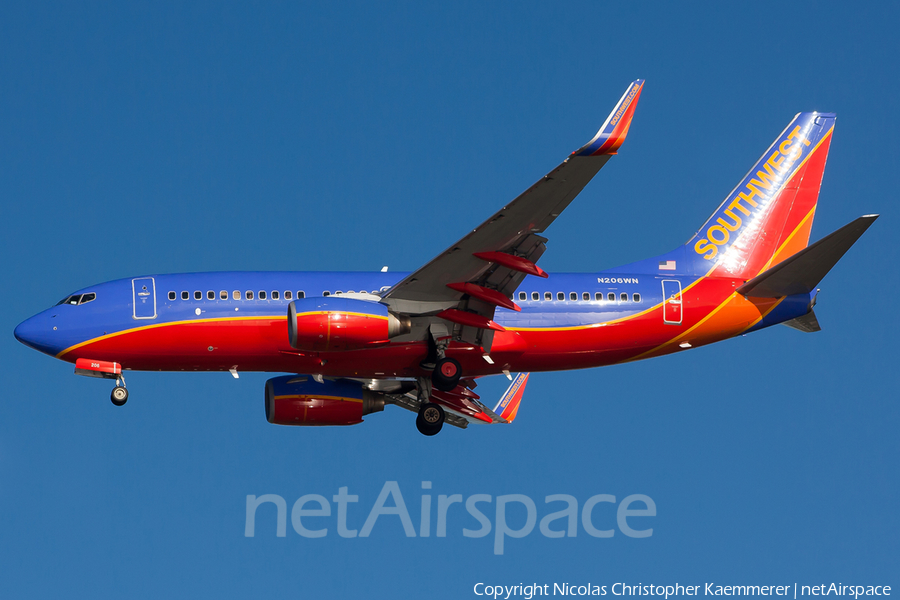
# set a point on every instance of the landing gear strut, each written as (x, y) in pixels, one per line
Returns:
(119, 395)
(445, 371)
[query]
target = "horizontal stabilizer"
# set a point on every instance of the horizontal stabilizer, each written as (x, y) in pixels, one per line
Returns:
(808, 323)
(802, 272)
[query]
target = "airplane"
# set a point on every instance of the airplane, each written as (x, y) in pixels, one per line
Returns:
(357, 341)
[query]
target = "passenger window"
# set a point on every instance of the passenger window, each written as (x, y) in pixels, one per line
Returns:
(210, 295)
(535, 296)
(548, 296)
(223, 295)
(288, 295)
(338, 293)
(611, 296)
(598, 296)
(585, 296)
(262, 295)
(523, 296)
(636, 297)
(573, 295)
(185, 296)
(236, 294)
(172, 295)
(248, 295)
(87, 298)
(560, 296)
(623, 297)
(274, 294)
(198, 295)
(326, 294)
(301, 294)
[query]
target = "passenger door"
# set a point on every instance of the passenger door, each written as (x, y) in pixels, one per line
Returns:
(143, 291)
(671, 301)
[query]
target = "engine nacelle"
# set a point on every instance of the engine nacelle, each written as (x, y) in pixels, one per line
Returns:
(300, 400)
(333, 323)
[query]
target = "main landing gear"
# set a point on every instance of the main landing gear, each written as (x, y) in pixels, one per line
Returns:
(119, 395)
(445, 371)
(430, 419)
(446, 374)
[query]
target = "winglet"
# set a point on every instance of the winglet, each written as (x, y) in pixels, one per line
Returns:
(508, 406)
(615, 128)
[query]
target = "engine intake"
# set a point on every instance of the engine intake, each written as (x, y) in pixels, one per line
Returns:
(333, 323)
(299, 400)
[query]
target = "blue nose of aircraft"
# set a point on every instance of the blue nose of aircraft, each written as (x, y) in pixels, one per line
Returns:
(38, 333)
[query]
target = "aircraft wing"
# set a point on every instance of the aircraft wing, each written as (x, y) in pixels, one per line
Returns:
(466, 282)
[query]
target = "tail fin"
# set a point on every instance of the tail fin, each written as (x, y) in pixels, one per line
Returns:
(768, 216)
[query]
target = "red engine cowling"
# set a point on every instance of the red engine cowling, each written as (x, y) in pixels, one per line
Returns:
(300, 400)
(334, 323)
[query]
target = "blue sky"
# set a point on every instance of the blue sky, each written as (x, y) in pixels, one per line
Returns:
(151, 137)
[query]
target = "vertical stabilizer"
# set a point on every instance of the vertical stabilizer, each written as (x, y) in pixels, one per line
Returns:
(768, 216)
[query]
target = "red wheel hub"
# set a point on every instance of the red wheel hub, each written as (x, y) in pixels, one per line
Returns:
(448, 369)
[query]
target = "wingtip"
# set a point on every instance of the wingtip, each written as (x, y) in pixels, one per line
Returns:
(508, 406)
(615, 129)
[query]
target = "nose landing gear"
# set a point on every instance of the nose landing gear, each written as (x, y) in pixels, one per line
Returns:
(119, 395)
(105, 370)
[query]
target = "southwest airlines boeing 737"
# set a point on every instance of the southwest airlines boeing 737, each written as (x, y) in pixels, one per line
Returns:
(354, 342)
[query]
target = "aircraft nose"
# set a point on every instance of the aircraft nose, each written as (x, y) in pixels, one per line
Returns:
(37, 333)
(25, 331)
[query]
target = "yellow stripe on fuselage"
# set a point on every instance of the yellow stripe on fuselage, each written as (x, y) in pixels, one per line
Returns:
(156, 325)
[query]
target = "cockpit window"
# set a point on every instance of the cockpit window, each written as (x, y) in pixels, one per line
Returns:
(76, 299)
